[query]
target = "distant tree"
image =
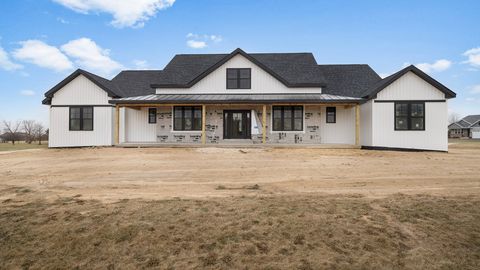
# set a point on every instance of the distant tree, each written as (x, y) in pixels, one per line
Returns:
(38, 132)
(29, 129)
(453, 118)
(11, 130)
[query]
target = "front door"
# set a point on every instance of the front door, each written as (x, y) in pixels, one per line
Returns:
(236, 124)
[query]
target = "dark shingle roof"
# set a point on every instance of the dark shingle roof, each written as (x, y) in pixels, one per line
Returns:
(135, 82)
(183, 68)
(292, 69)
(466, 122)
(348, 80)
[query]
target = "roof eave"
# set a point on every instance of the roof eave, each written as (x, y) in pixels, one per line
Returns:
(49, 94)
(338, 101)
(448, 93)
(298, 85)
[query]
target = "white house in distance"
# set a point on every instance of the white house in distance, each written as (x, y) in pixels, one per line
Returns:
(251, 98)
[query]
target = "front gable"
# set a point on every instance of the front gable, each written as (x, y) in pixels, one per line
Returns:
(215, 82)
(411, 77)
(80, 91)
(410, 87)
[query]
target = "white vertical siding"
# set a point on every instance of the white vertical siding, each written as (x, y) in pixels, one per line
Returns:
(61, 136)
(80, 91)
(410, 87)
(341, 132)
(137, 127)
(366, 111)
(216, 82)
(434, 137)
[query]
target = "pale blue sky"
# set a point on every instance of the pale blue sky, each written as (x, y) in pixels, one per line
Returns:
(42, 41)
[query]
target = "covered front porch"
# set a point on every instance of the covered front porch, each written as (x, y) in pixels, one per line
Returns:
(237, 120)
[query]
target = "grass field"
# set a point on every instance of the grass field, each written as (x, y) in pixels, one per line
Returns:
(274, 232)
(22, 146)
(211, 208)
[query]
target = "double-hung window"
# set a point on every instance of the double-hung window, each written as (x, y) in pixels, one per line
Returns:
(287, 118)
(81, 118)
(152, 115)
(239, 78)
(409, 115)
(187, 118)
(331, 115)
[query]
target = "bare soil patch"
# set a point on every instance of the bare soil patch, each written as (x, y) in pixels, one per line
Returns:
(212, 208)
(111, 174)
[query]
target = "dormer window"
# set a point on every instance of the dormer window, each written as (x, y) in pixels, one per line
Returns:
(239, 78)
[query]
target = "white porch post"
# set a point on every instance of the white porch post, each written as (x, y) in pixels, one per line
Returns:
(357, 124)
(117, 125)
(204, 117)
(264, 124)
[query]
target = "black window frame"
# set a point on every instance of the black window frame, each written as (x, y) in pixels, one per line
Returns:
(152, 112)
(238, 78)
(282, 118)
(192, 110)
(81, 118)
(409, 116)
(334, 115)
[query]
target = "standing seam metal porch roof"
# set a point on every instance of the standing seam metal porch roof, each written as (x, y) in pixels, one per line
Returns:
(234, 98)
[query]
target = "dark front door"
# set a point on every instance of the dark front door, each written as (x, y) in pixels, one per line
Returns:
(236, 124)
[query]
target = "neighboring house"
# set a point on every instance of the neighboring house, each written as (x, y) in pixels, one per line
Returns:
(251, 98)
(467, 127)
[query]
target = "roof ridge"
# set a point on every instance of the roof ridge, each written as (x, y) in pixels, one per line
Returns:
(139, 70)
(343, 65)
(189, 54)
(411, 68)
(284, 53)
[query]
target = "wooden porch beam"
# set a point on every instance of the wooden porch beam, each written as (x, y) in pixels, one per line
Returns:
(204, 117)
(264, 124)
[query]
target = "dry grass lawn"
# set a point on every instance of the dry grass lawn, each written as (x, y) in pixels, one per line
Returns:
(216, 208)
(22, 146)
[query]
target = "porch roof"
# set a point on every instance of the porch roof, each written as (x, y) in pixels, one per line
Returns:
(235, 99)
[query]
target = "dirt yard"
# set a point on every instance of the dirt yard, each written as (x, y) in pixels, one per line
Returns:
(111, 174)
(240, 208)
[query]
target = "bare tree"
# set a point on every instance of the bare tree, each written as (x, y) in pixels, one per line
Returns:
(38, 132)
(453, 118)
(28, 127)
(11, 130)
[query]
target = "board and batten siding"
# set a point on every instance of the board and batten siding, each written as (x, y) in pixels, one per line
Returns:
(136, 127)
(366, 123)
(216, 82)
(340, 132)
(412, 88)
(80, 91)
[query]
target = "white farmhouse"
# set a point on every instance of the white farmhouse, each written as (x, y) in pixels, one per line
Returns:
(251, 98)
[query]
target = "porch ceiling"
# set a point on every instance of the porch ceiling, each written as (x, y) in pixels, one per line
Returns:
(235, 99)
